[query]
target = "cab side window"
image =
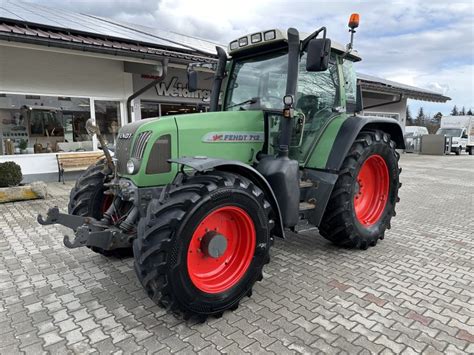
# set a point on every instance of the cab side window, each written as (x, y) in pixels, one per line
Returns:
(317, 95)
(316, 90)
(350, 85)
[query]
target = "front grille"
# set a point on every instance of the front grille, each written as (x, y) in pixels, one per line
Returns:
(123, 147)
(140, 144)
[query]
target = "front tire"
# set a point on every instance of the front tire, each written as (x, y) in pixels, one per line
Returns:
(174, 260)
(87, 199)
(363, 200)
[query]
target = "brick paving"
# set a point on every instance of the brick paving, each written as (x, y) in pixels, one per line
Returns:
(412, 293)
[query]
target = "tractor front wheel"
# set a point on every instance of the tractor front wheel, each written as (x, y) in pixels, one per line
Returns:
(87, 199)
(203, 244)
(363, 201)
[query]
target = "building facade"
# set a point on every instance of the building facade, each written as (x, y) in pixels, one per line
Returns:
(57, 71)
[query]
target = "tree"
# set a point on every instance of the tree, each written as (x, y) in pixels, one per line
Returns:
(462, 112)
(469, 112)
(420, 118)
(437, 118)
(409, 118)
(454, 111)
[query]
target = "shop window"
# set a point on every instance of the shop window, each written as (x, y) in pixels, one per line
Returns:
(179, 109)
(107, 117)
(150, 109)
(43, 124)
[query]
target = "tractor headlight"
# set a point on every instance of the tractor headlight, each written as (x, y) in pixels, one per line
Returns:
(132, 166)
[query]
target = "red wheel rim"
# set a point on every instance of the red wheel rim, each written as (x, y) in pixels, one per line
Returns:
(372, 193)
(215, 275)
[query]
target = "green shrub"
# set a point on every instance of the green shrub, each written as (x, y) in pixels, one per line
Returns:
(10, 174)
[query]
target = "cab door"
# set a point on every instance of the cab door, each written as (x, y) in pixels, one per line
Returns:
(318, 102)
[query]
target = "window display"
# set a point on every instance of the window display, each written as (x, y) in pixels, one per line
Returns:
(43, 124)
(107, 118)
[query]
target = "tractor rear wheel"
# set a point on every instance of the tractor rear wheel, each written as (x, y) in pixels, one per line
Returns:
(363, 200)
(203, 244)
(87, 199)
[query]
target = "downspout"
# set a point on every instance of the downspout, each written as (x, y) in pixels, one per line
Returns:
(145, 88)
(218, 77)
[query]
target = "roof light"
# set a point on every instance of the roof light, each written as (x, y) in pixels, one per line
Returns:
(269, 35)
(234, 45)
(243, 41)
(354, 21)
(256, 37)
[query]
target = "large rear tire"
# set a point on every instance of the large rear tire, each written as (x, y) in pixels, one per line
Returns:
(87, 199)
(203, 244)
(363, 200)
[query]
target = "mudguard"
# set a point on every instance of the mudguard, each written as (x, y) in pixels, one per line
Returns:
(349, 130)
(235, 166)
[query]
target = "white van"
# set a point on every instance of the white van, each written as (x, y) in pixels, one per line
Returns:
(461, 129)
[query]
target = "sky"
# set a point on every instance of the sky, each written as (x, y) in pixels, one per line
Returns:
(428, 44)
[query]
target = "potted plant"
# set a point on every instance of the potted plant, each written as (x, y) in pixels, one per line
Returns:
(23, 145)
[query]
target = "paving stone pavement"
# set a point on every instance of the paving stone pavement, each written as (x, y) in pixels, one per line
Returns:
(412, 293)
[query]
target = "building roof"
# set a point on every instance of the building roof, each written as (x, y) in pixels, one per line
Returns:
(32, 23)
(369, 82)
(37, 24)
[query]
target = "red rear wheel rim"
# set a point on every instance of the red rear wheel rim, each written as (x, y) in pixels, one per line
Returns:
(372, 194)
(215, 275)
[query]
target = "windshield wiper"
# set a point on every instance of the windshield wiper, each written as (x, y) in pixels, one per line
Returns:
(253, 100)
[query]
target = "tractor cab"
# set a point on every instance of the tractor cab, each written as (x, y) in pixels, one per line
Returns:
(257, 77)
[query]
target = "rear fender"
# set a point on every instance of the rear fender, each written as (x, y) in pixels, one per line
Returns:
(237, 167)
(352, 127)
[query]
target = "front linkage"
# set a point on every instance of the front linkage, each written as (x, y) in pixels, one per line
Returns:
(88, 231)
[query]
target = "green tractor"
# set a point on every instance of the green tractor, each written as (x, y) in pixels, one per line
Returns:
(199, 198)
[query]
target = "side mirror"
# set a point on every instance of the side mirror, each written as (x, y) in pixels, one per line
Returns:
(192, 80)
(318, 54)
(91, 128)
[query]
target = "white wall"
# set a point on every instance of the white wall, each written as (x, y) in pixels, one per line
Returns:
(40, 72)
(31, 71)
(396, 107)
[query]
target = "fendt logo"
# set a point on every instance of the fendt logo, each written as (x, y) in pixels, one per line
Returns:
(233, 137)
(125, 135)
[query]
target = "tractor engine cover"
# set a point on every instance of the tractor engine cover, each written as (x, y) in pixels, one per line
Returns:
(282, 174)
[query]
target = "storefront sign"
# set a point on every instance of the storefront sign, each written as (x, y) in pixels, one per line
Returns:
(233, 137)
(176, 89)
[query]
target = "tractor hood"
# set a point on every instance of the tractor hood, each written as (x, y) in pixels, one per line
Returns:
(235, 135)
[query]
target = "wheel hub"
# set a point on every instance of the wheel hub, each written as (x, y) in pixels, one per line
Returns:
(213, 244)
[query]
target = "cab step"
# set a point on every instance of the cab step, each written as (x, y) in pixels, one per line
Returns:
(305, 206)
(305, 184)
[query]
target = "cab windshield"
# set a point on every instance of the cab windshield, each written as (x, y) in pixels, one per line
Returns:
(452, 132)
(258, 83)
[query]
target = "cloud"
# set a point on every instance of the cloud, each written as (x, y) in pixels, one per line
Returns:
(428, 44)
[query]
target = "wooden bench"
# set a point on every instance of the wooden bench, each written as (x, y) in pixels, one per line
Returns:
(76, 161)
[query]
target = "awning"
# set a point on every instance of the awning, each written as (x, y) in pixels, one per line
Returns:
(372, 83)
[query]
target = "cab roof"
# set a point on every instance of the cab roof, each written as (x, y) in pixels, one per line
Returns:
(254, 40)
